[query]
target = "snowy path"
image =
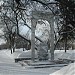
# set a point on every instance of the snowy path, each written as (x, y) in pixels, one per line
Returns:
(9, 67)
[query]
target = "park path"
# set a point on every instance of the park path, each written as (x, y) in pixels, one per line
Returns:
(9, 67)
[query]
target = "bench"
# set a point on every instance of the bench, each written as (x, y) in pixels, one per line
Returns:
(20, 59)
(66, 60)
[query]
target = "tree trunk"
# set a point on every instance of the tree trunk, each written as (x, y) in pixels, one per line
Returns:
(65, 44)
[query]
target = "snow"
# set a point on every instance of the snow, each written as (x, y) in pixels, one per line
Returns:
(19, 53)
(27, 54)
(1, 2)
(9, 67)
(68, 70)
(2, 41)
(70, 54)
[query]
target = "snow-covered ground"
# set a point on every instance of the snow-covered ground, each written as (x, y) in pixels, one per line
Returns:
(68, 70)
(70, 54)
(9, 67)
